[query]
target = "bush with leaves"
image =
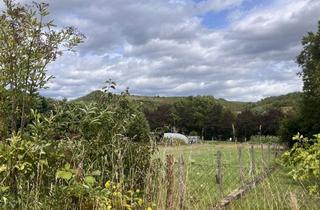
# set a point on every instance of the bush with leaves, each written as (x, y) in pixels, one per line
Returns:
(265, 139)
(304, 157)
(64, 157)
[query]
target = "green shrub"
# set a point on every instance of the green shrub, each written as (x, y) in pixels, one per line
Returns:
(289, 127)
(64, 158)
(304, 158)
(193, 133)
(265, 139)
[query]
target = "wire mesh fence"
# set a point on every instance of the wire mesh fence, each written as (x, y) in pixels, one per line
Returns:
(198, 176)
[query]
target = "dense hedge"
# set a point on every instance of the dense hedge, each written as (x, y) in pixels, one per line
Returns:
(69, 155)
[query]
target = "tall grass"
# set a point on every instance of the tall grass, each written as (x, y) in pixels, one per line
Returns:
(200, 169)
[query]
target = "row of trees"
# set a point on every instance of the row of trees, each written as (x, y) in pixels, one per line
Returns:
(203, 116)
(209, 119)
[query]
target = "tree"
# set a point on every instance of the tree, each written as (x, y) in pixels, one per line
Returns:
(247, 124)
(289, 127)
(227, 120)
(309, 61)
(28, 43)
(160, 117)
(213, 121)
(183, 115)
(270, 122)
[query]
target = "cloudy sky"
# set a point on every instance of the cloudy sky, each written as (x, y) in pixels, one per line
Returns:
(232, 49)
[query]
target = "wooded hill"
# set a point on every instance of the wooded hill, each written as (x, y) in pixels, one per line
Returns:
(284, 102)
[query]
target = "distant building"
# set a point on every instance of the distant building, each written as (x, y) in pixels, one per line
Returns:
(193, 139)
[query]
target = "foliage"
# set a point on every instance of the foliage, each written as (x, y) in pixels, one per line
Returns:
(286, 103)
(304, 157)
(37, 174)
(309, 61)
(193, 133)
(72, 145)
(166, 113)
(203, 115)
(289, 127)
(271, 121)
(138, 128)
(160, 117)
(29, 41)
(247, 124)
(265, 139)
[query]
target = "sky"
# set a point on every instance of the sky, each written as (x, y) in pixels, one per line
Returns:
(234, 49)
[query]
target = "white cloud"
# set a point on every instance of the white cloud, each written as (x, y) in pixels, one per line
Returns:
(160, 47)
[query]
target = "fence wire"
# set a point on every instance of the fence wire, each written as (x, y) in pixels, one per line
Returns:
(197, 178)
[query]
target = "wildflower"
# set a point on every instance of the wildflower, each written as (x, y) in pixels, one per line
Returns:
(117, 194)
(107, 184)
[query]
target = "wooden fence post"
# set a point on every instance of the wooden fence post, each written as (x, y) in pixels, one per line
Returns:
(182, 186)
(262, 156)
(240, 163)
(276, 154)
(170, 182)
(219, 176)
(253, 161)
(269, 155)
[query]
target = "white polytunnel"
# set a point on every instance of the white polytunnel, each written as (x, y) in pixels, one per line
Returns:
(176, 136)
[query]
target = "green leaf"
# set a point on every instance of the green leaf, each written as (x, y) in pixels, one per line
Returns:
(44, 162)
(66, 175)
(90, 180)
(96, 173)
(4, 189)
(67, 166)
(3, 168)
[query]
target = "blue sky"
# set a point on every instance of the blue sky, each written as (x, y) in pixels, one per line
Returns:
(216, 20)
(233, 49)
(222, 19)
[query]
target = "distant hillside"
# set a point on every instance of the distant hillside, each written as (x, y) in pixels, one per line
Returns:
(285, 102)
(152, 102)
(91, 97)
